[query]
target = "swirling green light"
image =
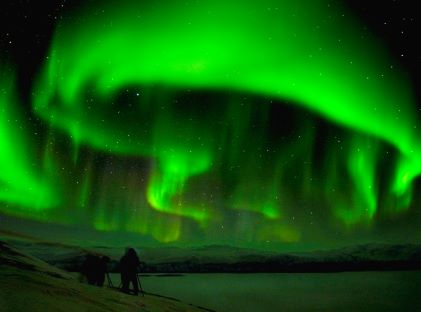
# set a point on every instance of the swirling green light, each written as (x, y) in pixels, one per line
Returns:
(112, 81)
(24, 187)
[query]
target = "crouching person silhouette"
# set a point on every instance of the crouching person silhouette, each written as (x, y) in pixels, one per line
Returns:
(94, 268)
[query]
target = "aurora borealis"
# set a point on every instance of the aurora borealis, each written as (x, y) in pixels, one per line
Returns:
(212, 121)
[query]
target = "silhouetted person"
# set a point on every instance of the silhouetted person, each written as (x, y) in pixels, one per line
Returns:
(100, 270)
(128, 267)
(88, 268)
(94, 268)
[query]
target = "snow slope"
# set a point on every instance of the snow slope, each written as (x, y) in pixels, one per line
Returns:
(30, 284)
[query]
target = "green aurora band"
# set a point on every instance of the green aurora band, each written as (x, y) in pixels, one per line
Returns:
(142, 62)
(22, 182)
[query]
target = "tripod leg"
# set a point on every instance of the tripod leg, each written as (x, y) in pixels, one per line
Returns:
(140, 285)
(110, 282)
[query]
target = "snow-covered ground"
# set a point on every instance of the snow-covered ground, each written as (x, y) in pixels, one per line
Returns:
(30, 284)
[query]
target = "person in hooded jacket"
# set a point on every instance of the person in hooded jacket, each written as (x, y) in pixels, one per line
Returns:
(129, 264)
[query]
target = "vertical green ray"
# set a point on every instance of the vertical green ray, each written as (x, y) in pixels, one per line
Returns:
(24, 181)
(305, 51)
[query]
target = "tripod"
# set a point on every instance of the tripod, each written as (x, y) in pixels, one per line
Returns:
(140, 285)
(110, 283)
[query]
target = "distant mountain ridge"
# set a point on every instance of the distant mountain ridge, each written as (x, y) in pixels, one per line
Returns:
(225, 259)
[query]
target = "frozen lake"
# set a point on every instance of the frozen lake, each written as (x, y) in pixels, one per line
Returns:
(348, 291)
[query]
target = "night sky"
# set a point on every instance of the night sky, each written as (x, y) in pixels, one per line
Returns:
(278, 124)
